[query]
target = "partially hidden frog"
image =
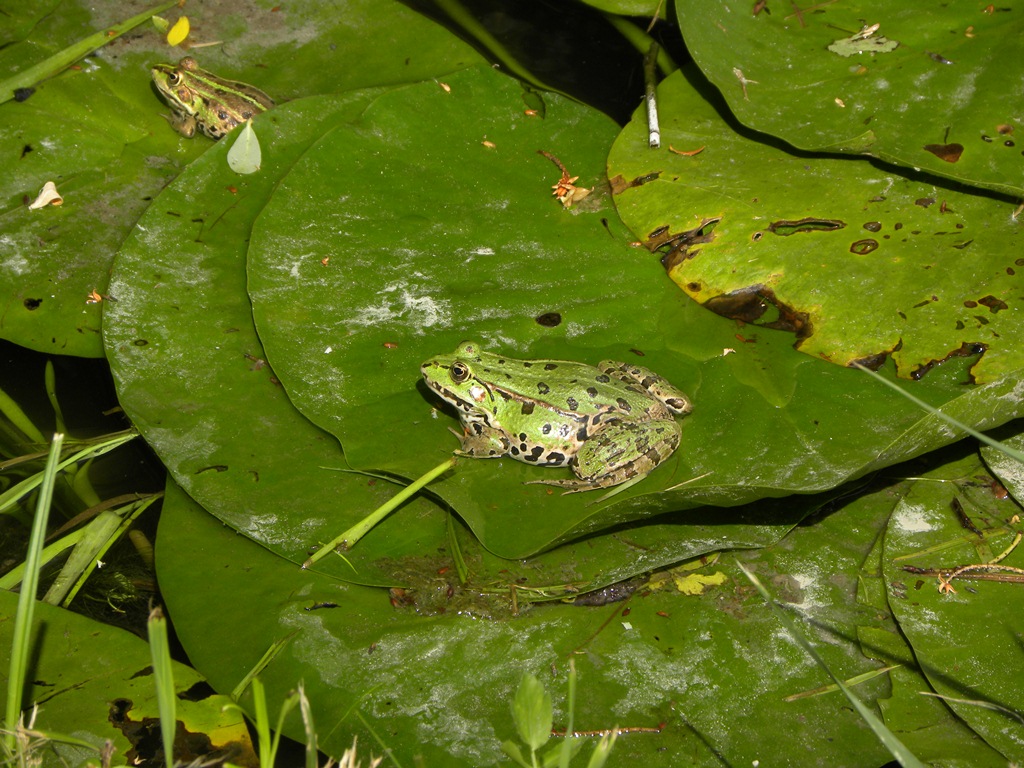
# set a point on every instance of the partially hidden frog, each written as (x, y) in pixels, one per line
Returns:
(200, 99)
(610, 424)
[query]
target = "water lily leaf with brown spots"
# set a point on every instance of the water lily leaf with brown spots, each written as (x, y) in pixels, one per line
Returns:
(858, 261)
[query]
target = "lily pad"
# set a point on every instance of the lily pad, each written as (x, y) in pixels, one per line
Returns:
(96, 131)
(191, 373)
(858, 261)
(95, 683)
(431, 688)
(440, 237)
(952, 517)
(927, 88)
(98, 156)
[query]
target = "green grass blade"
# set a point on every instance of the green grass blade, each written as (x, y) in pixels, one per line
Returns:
(603, 750)
(261, 719)
(56, 64)
(309, 726)
(20, 646)
(100, 535)
(13, 413)
(104, 445)
(461, 569)
(259, 666)
(50, 380)
(948, 419)
(13, 577)
(163, 679)
(566, 752)
(349, 538)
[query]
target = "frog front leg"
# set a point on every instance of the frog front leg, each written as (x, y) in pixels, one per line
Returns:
(621, 450)
(183, 124)
(482, 442)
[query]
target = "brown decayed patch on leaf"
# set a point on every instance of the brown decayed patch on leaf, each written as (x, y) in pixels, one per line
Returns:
(750, 304)
(967, 349)
(993, 304)
(788, 227)
(619, 184)
(680, 246)
(948, 152)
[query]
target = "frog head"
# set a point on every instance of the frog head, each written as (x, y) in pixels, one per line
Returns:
(453, 378)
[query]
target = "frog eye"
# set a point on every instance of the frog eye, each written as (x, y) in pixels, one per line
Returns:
(459, 372)
(173, 78)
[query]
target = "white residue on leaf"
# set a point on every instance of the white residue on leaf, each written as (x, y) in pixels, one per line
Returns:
(472, 253)
(912, 519)
(14, 263)
(810, 587)
(964, 93)
(646, 674)
(405, 303)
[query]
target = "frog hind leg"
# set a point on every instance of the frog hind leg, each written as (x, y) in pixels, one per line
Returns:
(656, 386)
(623, 450)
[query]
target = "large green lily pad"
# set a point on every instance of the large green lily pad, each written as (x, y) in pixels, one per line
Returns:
(859, 261)
(191, 373)
(438, 237)
(97, 131)
(935, 88)
(430, 689)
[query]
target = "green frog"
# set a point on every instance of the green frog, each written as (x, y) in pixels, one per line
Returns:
(610, 424)
(200, 99)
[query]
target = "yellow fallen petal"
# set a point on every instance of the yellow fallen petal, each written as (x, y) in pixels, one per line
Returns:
(695, 583)
(178, 32)
(48, 195)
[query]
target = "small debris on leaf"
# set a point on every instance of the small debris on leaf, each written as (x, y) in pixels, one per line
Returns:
(565, 190)
(744, 82)
(864, 42)
(685, 153)
(48, 195)
(245, 155)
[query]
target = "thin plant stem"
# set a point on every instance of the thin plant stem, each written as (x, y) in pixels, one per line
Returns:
(348, 539)
(457, 13)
